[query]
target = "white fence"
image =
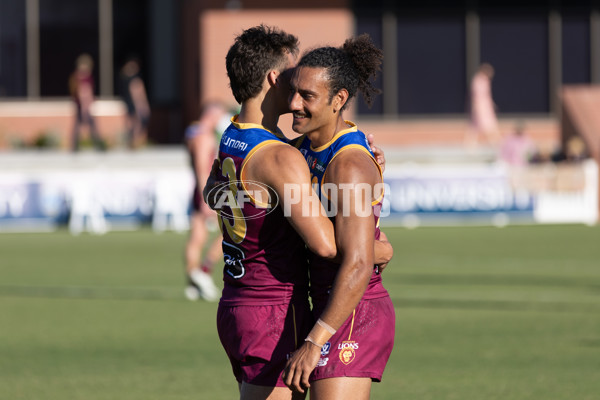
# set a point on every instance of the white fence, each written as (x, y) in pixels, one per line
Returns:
(101, 192)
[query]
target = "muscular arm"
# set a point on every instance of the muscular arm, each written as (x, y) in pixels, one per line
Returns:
(283, 168)
(383, 248)
(211, 183)
(355, 229)
(355, 241)
(383, 251)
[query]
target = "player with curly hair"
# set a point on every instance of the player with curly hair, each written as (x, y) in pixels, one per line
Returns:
(349, 345)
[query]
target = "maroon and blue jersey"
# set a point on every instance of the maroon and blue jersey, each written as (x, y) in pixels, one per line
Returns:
(323, 272)
(265, 258)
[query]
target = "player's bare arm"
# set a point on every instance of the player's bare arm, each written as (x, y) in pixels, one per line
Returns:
(283, 168)
(212, 179)
(211, 183)
(383, 252)
(383, 248)
(355, 229)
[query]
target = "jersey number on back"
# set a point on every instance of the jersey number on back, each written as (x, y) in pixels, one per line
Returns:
(234, 224)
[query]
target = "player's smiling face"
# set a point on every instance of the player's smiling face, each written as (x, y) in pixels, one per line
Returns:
(310, 102)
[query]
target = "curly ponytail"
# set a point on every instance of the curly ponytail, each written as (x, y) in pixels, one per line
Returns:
(349, 67)
(367, 59)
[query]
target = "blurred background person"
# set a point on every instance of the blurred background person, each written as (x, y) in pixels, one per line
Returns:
(134, 95)
(544, 153)
(574, 150)
(81, 87)
(483, 120)
(517, 148)
(202, 138)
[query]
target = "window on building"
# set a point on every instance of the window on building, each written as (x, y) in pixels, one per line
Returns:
(431, 64)
(575, 48)
(13, 45)
(68, 28)
(130, 35)
(517, 47)
(372, 26)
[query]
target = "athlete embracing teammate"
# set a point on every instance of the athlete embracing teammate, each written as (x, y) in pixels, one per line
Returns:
(353, 338)
(264, 314)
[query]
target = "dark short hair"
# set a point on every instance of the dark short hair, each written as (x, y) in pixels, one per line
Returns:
(254, 53)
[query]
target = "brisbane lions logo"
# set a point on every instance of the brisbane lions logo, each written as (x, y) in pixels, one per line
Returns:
(347, 351)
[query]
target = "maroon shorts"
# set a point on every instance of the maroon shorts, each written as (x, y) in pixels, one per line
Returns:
(259, 339)
(362, 345)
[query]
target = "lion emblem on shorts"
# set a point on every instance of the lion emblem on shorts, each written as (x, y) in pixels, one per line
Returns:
(347, 351)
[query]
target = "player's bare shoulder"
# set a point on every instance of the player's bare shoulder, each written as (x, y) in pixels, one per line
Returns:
(353, 166)
(277, 162)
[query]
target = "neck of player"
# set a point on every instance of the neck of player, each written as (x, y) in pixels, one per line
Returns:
(255, 111)
(324, 134)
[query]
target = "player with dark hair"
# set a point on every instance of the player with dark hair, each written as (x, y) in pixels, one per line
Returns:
(264, 307)
(349, 345)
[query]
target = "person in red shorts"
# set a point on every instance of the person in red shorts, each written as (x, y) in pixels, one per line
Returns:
(350, 344)
(264, 311)
(81, 87)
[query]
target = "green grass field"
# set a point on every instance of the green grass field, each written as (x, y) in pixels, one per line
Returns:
(482, 313)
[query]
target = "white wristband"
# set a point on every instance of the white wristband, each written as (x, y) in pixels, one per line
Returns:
(327, 327)
(311, 340)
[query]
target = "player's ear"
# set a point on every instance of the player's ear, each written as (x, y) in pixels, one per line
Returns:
(272, 77)
(340, 99)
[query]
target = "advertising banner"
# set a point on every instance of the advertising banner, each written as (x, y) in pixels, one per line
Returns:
(97, 201)
(490, 194)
